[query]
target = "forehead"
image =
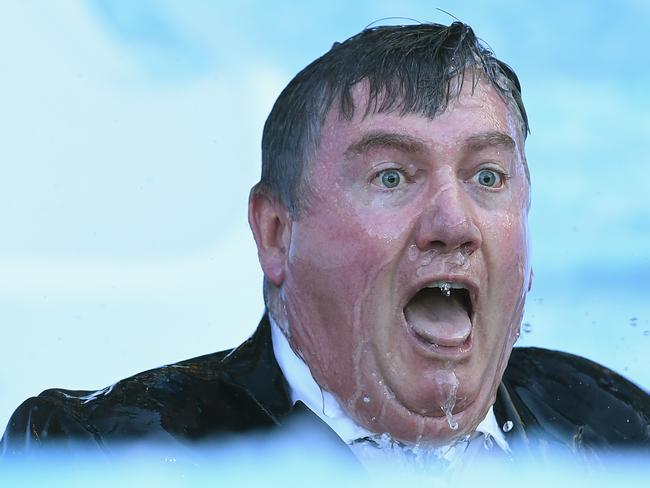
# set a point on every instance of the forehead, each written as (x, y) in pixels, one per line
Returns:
(478, 108)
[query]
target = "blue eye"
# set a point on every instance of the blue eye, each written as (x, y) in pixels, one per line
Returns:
(390, 178)
(489, 178)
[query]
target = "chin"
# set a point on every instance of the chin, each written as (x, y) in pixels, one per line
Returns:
(442, 405)
(405, 426)
(438, 428)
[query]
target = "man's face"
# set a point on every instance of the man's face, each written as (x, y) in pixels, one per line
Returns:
(399, 209)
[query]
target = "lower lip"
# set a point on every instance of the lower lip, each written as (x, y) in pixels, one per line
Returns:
(436, 351)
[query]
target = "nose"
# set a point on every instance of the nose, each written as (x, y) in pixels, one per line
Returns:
(446, 223)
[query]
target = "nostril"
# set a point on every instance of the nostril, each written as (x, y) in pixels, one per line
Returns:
(438, 245)
(468, 248)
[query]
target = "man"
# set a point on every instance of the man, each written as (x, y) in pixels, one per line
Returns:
(391, 226)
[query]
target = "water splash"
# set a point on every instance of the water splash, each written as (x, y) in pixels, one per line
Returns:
(488, 443)
(445, 288)
(447, 385)
(453, 423)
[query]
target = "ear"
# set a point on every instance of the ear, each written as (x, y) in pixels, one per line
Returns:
(271, 225)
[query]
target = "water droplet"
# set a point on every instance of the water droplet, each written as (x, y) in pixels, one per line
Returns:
(577, 438)
(366, 399)
(507, 426)
(633, 321)
(527, 327)
(445, 288)
(487, 441)
(447, 385)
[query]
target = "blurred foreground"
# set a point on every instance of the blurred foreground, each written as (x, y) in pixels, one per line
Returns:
(301, 457)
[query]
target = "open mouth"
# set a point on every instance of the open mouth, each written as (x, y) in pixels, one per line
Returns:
(439, 315)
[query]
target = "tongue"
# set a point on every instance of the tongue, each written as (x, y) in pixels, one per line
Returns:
(438, 319)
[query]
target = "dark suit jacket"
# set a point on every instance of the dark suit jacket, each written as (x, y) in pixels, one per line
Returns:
(549, 395)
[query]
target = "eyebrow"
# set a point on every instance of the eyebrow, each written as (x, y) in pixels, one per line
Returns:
(390, 140)
(484, 140)
(410, 144)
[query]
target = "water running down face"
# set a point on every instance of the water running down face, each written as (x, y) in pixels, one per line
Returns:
(405, 276)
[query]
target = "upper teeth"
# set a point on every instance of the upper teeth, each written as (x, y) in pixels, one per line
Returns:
(446, 286)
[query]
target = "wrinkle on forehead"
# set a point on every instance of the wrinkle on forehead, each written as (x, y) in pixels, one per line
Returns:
(480, 87)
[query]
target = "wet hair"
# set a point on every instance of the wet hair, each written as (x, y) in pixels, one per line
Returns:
(407, 69)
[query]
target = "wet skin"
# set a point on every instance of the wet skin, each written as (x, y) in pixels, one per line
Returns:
(395, 203)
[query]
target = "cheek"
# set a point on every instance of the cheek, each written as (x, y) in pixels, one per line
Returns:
(345, 236)
(508, 261)
(505, 235)
(339, 259)
(331, 245)
(329, 265)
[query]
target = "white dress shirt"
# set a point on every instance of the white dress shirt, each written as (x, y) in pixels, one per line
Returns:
(303, 387)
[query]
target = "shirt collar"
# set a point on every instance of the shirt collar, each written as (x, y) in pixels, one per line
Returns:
(303, 387)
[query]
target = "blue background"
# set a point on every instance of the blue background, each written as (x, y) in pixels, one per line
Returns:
(129, 138)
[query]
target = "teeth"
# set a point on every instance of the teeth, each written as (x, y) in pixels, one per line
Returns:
(446, 286)
(451, 285)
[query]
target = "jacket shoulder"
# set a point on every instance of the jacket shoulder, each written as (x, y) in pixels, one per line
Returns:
(220, 393)
(139, 406)
(575, 400)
